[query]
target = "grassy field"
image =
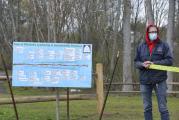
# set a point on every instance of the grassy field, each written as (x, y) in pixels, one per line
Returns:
(118, 108)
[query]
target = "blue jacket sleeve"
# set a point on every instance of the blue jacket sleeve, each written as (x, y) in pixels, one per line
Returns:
(168, 57)
(137, 60)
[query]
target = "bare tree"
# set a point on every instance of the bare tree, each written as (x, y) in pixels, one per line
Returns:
(149, 12)
(127, 75)
(136, 35)
(170, 34)
(116, 27)
(160, 11)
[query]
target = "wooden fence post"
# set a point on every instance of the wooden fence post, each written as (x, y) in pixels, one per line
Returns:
(99, 87)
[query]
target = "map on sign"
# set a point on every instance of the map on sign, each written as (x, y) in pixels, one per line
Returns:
(52, 64)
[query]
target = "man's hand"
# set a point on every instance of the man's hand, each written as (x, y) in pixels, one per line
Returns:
(147, 64)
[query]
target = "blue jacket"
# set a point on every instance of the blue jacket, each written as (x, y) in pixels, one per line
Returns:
(161, 55)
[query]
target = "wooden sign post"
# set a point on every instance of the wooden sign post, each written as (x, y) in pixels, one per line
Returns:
(99, 87)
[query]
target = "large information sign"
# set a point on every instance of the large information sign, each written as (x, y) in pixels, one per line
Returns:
(52, 64)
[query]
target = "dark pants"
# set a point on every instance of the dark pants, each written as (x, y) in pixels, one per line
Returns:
(161, 92)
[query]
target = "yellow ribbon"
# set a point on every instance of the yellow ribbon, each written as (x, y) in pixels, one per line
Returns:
(165, 68)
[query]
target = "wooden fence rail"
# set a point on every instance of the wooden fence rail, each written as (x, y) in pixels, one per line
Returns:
(33, 99)
(172, 93)
(117, 83)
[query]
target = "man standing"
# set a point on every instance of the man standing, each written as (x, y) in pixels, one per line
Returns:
(153, 51)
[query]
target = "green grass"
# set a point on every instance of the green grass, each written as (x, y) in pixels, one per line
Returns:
(117, 108)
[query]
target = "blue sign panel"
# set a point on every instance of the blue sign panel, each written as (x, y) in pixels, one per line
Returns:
(52, 64)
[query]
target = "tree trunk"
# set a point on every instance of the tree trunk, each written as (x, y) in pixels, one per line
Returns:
(170, 35)
(13, 20)
(149, 12)
(114, 46)
(127, 75)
